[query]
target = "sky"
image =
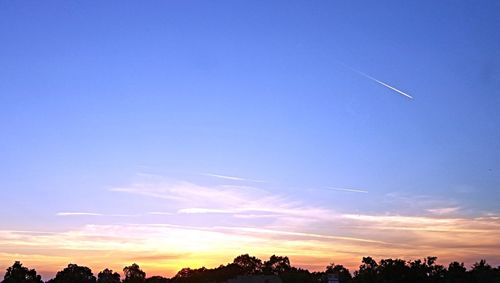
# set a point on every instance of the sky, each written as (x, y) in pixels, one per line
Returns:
(185, 133)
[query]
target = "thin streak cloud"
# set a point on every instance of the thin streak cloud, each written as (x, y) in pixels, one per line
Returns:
(95, 214)
(232, 178)
(379, 82)
(443, 210)
(300, 234)
(196, 210)
(160, 213)
(78, 214)
(348, 190)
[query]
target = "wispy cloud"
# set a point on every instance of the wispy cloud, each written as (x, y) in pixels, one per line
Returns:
(78, 214)
(347, 190)
(416, 203)
(232, 178)
(157, 193)
(424, 223)
(160, 213)
(261, 231)
(443, 210)
(95, 214)
(190, 198)
(197, 210)
(341, 237)
(210, 224)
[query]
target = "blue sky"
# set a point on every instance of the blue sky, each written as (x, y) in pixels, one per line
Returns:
(105, 106)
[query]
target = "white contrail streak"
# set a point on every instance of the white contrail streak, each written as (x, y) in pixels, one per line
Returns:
(233, 178)
(386, 85)
(380, 82)
(348, 190)
(94, 214)
(78, 214)
(224, 177)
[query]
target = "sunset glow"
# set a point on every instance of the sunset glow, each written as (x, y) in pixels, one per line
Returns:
(178, 134)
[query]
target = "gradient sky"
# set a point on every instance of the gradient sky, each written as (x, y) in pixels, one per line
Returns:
(185, 133)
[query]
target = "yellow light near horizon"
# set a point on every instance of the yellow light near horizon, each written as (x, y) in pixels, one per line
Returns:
(162, 249)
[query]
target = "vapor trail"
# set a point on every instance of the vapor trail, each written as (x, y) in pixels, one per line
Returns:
(233, 178)
(380, 82)
(78, 214)
(348, 190)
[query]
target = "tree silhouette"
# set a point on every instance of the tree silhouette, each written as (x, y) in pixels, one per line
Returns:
(108, 276)
(435, 272)
(189, 273)
(276, 265)
(248, 264)
(482, 273)
(17, 273)
(134, 274)
(393, 270)
(367, 272)
(219, 274)
(344, 274)
(298, 275)
(456, 273)
(418, 271)
(74, 274)
(385, 271)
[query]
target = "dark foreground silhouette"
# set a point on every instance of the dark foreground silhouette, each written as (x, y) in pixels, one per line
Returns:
(370, 271)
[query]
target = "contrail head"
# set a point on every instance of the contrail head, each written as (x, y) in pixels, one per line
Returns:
(386, 85)
(379, 82)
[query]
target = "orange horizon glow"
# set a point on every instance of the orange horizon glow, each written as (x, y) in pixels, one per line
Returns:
(212, 231)
(164, 249)
(168, 269)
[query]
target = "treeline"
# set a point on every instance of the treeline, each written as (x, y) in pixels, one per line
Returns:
(370, 271)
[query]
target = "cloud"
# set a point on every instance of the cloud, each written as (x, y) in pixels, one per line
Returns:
(146, 192)
(273, 217)
(78, 214)
(189, 198)
(160, 213)
(158, 257)
(232, 178)
(95, 214)
(302, 235)
(443, 210)
(416, 203)
(209, 225)
(347, 190)
(196, 210)
(342, 236)
(421, 223)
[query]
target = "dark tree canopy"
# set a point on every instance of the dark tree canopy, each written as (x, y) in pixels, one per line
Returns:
(393, 270)
(74, 274)
(457, 273)
(344, 274)
(483, 272)
(17, 273)
(201, 275)
(367, 272)
(277, 265)
(299, 275)
(388, 270)
(248, 264)
(134, 274)
(187, 272)
(108, 276)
